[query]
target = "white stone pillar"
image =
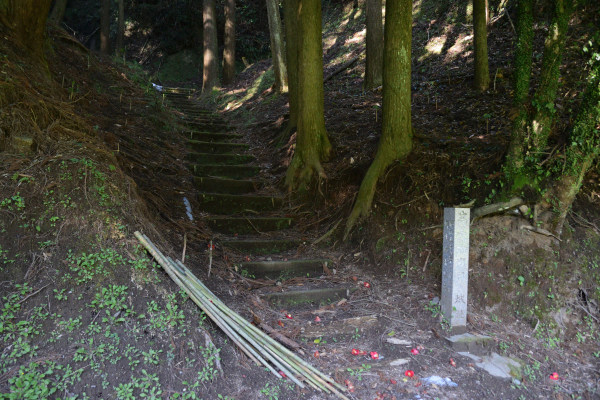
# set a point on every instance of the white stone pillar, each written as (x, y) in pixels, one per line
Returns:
(455, 268)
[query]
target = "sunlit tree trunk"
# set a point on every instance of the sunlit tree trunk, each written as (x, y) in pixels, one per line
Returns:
(396, 136)
(58, 12)
(120, 50)
(27, 21)
(277, 46)
(480, 20)
(229, 45)
(290, 14)
(312, 143)
(210, 72)
(105, 26)
(374, 62)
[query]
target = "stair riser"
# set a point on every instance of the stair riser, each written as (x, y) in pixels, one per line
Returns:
(227, 204)
(283, 270)
(230, 186)
(226, 171)
(217, 148)
(243, 226)
(220, 159)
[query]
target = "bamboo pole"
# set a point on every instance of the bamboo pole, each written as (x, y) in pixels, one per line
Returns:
(258, 346)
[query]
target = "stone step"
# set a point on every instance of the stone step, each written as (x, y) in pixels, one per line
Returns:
(281, 270)
(227, 204)
(226, 171)
(309, 296)
(221, 185)
(220, 159)
(220, 137)
(247, 225)
(217, 147)
(261, 247)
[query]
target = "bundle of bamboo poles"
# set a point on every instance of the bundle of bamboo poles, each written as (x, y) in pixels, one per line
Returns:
(257, 345)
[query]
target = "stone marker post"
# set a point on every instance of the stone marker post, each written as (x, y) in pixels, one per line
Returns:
(455, 268)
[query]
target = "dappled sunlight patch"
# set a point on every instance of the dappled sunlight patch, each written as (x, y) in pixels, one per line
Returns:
(434, 47)
(459, 48)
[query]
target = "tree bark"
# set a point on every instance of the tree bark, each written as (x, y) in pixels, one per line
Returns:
(290, 14)
(58, 12)
(396, 136)
(27, 21)
(374, 62)
(580, 155)
(522, 79)
(277, 46)
(120, 50)
(229, 45)
(312, 143)
(531, 130)
(480, 21)
(210, 71)
(105, 26)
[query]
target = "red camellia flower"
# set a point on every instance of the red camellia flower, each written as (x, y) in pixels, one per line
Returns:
(349, 385)
(317, 319)
(452, 362)
(280, 324)
(393, 381)
(367, 285)
(355, 352)
(289, 316)
(362, 353)
(415, 351)
(374, 355)
(282, 374)
(316, 354)
(554, 376)
(409, 372)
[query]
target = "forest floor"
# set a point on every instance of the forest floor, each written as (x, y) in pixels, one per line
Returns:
(85, 313)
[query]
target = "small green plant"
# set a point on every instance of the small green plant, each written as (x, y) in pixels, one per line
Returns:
(208, 372)
(151, 356)
(433, 308)
(357, 373)
(356, 335)
(270, 392)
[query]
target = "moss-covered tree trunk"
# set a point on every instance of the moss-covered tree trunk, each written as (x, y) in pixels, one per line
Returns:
(480, 21)
(522, 77)
(581, 152)
(27, 20)
(120, 48)
(58, 12)
(312, 143)
(277, 46)
(374, 62)
(290, 15)
(396, 136)
(229, 43)
(545, 95)
(105, 26)
(209, 21)
(532, 128)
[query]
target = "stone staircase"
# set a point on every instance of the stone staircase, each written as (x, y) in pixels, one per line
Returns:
(248, 219)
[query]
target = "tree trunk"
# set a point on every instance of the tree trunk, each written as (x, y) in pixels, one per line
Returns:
(531, 130)
(229, 48)
(545, 95)
(277, 46)
(374, 63)
(105, 26)
(522, 78)
(290, 14)
(396, 136)
(312, 143)
(58, 12)
(27, 20)
(209, 18)
(120, 50)
(581, 152)
(480, 20)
